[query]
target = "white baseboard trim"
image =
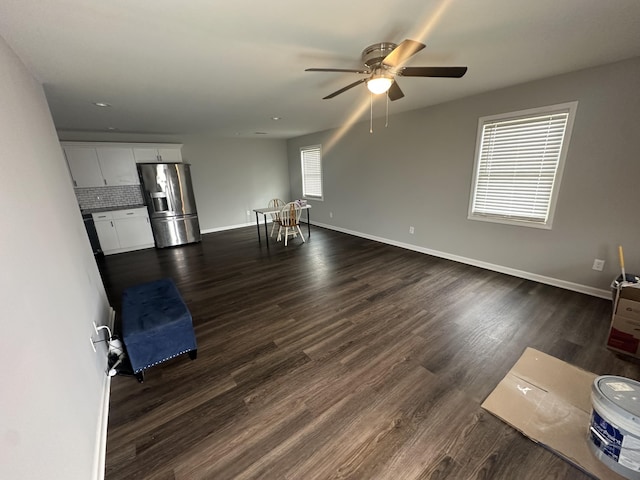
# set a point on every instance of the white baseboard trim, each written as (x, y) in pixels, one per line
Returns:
(100, 461)
(555, 282)
(228, 227)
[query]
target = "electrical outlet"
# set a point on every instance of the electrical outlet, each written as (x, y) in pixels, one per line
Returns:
(248, 212)
(411, 230)
(598, 265)
(330, 214)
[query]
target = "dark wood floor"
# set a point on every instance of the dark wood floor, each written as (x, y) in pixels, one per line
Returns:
(341, 358)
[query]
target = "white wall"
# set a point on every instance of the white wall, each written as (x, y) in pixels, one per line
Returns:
(51, 291)
(418, 172)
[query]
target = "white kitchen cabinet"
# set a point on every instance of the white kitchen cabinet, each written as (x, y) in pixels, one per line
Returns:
(170, 154)
(118, 166)
(107, 234)
(145, 155)
(101, 166)
(84, 166)
(158, 153)
(134, 228)
(123, 230)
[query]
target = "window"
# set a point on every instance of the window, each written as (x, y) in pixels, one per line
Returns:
(311, 158)
(518, 165)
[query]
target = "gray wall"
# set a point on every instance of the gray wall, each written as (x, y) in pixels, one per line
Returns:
(418, 172)
(53, 384)
(231, 176)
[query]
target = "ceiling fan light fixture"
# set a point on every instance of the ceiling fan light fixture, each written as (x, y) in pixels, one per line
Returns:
(379, 84)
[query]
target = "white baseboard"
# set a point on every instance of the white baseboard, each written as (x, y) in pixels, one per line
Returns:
(595, 292)
(228, 227)
(100, 458)
(129, 249)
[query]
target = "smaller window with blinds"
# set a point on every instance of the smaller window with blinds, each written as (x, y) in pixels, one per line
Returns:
(311, 158)
(518, 165)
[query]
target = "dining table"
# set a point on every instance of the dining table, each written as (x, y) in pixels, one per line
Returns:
(270, 210)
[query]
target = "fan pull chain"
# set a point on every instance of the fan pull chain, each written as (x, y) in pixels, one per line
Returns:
(370, 112)
(386, 121)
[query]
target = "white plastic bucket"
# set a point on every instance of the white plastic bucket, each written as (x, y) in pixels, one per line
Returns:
(614, 434)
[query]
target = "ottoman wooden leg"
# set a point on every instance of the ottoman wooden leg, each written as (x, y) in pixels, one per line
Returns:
(193, 354)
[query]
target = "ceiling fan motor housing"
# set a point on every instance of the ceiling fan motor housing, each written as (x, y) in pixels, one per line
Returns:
(373, 55)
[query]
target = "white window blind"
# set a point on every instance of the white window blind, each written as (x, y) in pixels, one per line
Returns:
(311, 171)
(518, 165)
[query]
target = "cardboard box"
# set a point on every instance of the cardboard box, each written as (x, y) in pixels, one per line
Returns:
(549, 401)
(628, 308)
(624, 333)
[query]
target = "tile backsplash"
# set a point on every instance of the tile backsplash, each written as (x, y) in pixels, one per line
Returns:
(106, 197)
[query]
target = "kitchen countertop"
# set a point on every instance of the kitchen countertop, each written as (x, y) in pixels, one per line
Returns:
(89, 211)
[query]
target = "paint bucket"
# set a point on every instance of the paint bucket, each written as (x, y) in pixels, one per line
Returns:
(614, 435)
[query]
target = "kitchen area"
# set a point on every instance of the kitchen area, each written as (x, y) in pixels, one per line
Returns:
(133, 196)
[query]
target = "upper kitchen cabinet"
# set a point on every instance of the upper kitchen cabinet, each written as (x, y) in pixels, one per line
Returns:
(101, 166)
(157, 153)
(118, 166)
(84, 166)
(96, 164)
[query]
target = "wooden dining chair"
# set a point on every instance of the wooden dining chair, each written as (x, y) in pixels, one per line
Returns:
(275, 217)
(290, 222)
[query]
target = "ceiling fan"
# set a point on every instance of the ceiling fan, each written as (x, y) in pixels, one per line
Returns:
(384, 62)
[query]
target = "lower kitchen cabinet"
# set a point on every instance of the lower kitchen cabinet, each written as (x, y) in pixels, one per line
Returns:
(123, 230)
(107, 235)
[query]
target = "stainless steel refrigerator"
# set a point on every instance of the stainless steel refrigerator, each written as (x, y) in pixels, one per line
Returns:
(168, 194)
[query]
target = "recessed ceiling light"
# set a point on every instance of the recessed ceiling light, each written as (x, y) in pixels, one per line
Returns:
(112, 128)
(276, 118)
(101, 104)
(260, 133)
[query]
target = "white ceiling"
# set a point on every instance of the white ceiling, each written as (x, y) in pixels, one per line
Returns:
(228, 67)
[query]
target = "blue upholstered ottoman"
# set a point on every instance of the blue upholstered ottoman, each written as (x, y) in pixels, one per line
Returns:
(156, 324)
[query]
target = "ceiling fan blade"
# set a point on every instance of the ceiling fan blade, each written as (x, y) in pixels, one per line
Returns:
(450, 72)
(344, 89)
(402, 52)
(351, 70)
(395, 93)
